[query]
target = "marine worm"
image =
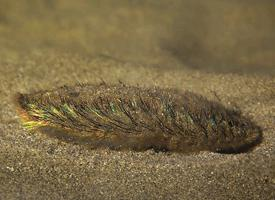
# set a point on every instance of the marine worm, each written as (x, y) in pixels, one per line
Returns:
(124, 117)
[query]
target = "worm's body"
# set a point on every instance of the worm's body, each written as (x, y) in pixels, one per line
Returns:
(128, 117)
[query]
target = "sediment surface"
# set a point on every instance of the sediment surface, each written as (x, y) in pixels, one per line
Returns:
(45, 44)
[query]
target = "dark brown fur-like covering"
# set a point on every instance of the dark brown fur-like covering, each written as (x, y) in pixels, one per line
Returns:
(128, 117)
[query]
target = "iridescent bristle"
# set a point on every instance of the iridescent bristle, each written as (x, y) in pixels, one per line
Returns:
(128, 117)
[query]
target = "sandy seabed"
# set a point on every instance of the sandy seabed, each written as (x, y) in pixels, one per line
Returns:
(34, 166)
